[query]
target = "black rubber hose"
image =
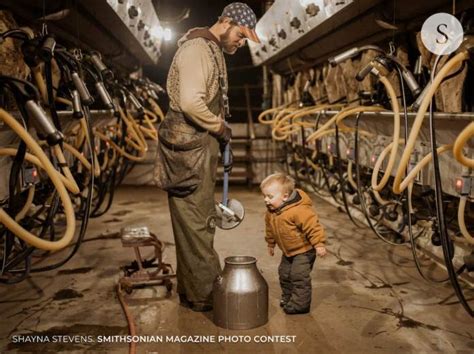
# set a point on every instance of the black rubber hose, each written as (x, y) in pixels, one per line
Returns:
(407, 205)
(316, 189)
(342, 181)
(446, 242)
(52, 104)
(25, 273)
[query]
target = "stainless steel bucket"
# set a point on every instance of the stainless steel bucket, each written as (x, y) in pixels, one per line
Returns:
(240, 295)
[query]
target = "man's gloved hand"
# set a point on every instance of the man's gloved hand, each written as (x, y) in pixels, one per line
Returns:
(229, 164)
(225, 136)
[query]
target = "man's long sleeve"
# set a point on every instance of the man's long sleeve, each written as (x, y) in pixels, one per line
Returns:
(195, 68)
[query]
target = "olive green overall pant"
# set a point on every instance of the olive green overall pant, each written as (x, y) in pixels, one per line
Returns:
(295, 280)
(193, 220)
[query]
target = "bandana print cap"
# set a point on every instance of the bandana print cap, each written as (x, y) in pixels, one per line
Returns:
(244, 16)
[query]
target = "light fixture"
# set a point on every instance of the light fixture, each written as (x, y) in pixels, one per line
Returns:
(261, 34)
(157, 32)
(167, 34)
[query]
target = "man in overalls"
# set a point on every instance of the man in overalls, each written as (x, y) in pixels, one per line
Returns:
(190, 137)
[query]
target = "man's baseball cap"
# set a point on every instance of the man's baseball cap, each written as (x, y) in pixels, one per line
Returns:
(244, 16)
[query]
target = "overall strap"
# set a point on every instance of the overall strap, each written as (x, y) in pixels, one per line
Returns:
(224, 99)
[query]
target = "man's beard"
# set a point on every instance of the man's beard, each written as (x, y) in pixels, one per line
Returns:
(227, 46)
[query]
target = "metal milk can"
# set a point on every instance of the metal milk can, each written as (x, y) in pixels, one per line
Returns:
(240, 295)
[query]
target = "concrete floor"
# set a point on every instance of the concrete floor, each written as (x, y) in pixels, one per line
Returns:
(367, 296)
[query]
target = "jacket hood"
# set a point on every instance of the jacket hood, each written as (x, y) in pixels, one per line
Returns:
(198, 32)
(300, 198)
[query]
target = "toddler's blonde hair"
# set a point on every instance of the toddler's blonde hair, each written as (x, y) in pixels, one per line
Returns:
(286, 182)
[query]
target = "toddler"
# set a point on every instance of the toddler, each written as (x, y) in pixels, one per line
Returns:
(293, 225)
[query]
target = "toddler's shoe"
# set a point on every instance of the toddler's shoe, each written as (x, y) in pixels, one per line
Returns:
(195, 306)
(183, 301)
(290, 310)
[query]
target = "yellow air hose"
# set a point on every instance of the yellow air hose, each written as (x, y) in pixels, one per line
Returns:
(427, 159)
(376, 170)
(34, 160)
(459, 143)
(10, 223)
(154, 117)
(445, 70)
(281, 131)
(85, 135)
(134, 131)
(458, 146)
(105, 163)
(156, 108)
(261, 116)
(63, 100)
(68, 179)
(341, 115)
(282, 113)
(119, 149)
(134, 138)
(65, 168)
(38, 76)
(151, 131)
(282, 127)
(396, 134)
(461, 222)
(80, 157)
(29, 201)
(81, 135)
